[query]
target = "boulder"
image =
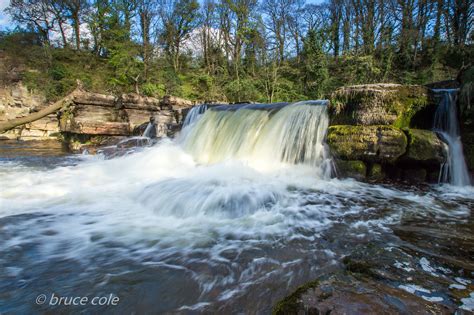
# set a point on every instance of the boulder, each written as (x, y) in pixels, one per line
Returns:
(424, 147)
(380, 144)
(353, 169)
(380, 104)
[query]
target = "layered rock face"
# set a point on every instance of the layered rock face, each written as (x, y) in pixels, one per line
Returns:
(381, 130)
(91, 118)
(96, 119)
(16, 101)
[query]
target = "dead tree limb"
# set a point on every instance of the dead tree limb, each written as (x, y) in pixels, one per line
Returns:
(64, 102)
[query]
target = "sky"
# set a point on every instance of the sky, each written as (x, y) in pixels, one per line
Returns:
(6, 23)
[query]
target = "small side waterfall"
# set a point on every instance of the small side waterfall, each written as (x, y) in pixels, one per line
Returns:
(147, 131)
(263, 136)
(446, 124)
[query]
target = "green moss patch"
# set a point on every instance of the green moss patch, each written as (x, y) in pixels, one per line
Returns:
(291, 304)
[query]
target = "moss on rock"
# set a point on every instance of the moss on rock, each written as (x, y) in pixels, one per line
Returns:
(425, 147)
(353, 169)
(378, 104)
(382, 144)
(375, 172)
(291, 304)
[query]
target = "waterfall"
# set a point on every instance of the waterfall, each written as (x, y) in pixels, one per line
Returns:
(446, 124)
(262, 135)
(146, 133)
(194, 113)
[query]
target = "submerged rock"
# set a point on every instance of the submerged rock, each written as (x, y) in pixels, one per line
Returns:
(347, 294)
(367, 143)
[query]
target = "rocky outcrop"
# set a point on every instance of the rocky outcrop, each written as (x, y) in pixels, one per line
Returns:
(381, 104)
(87, 117)
(97, 116)
(382, 127)
(367, 143)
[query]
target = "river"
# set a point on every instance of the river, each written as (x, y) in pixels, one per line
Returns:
(182, 228)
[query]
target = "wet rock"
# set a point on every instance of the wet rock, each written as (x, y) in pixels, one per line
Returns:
(375, 172)
(381, 144)
(424, 147)
(379, 104)
(346, 294)
(416, 175)
(353, 169)
(468, 143)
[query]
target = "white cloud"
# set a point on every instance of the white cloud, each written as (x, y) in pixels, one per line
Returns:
(4, 19)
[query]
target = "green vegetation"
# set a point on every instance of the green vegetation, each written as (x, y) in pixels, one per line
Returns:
(233, 50)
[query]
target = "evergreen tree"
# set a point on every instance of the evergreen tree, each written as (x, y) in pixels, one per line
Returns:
(314, 71)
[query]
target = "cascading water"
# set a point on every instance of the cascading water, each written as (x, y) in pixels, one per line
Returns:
(194, 114)
(147, 131)
(263, 136)
(446, 124)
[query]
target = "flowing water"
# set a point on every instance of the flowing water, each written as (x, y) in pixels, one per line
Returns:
(194, 113)
(447, 125)
(230, 217)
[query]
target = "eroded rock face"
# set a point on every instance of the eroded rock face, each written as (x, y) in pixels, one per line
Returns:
(367, 143)
(93, 115)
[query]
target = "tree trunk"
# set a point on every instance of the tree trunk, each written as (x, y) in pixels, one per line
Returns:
(63, 35)
(77, 29)
(64, 102)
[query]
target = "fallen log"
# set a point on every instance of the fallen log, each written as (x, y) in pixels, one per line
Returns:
(62, 103)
